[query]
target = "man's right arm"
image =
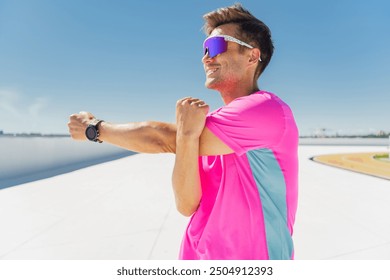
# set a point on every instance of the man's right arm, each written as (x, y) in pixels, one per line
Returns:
(142, 137)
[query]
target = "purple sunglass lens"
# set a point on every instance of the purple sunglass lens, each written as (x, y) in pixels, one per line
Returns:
(214, 46)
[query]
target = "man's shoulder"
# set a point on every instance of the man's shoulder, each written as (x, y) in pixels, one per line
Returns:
(259, 97)
(258, 104)
(261, 100)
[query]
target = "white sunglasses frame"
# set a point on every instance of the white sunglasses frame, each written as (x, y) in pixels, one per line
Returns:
(232, 39)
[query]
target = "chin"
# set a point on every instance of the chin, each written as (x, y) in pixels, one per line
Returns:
(211, 84)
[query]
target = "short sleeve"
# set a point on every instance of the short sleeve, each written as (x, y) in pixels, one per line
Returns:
(250, 122)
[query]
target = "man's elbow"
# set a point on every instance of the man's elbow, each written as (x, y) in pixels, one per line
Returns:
(161, 137)
(187, 209)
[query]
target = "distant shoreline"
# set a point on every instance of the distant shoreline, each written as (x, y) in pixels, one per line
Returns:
(33, 135)
(365, 140)
(345, 141)
(303, 140)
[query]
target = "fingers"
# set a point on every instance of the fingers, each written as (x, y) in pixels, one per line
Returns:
(191, 114)
(198, 103)
(82, 117)
(87, 115)
(191, 104)
(182, 101)
(78, 123)
(191, 101)
(191, 109)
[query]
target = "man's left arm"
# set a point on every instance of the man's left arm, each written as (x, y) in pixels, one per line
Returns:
(192, 139)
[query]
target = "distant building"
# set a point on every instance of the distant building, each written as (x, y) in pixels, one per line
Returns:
(1, 132)
(382, 133)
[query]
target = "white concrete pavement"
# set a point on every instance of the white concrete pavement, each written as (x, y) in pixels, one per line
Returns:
(124, 209)
(342, 214)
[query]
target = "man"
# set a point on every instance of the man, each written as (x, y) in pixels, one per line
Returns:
(236, 168)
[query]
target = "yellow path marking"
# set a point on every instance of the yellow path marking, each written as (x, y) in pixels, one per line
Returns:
(358, 162)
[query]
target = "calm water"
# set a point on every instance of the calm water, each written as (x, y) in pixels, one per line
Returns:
(24, 159)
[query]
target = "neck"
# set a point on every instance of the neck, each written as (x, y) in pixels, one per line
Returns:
(230, 93)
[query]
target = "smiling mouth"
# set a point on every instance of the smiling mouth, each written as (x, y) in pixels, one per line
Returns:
(211, 71)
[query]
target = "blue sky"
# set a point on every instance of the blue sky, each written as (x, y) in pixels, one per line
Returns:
(131, 60)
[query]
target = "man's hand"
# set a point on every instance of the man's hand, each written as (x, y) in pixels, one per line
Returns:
(78, 124)
(191, 116)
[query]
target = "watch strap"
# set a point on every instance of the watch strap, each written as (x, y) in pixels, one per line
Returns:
(95, 124)
(98, 131)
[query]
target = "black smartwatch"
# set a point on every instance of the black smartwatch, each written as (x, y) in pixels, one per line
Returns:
(92, 131)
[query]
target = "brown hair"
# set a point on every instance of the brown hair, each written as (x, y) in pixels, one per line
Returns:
(249, 29)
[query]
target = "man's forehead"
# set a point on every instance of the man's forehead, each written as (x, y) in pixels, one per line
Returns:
(225, 29)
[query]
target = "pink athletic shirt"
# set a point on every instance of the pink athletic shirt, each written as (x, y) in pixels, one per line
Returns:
(249, 197)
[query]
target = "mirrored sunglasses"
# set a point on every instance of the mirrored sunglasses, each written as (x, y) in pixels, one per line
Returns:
(216, 45)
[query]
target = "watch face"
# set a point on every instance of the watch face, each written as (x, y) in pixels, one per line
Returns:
(90, 133)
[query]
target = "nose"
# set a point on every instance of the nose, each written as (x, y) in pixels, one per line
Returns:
(206, 58)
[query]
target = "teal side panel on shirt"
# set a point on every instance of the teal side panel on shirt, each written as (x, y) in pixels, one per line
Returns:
(272, 190)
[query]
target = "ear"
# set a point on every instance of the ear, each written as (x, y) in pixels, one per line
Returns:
(254, 55)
